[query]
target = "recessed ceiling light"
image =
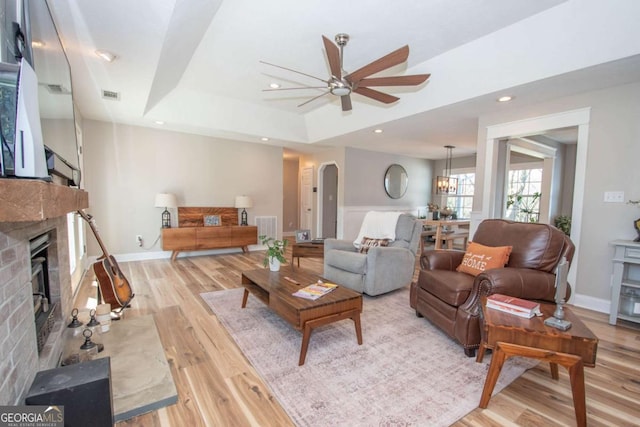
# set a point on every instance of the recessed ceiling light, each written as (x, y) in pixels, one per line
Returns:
(37, 43)
(159, 122)
(264, 138)
(377, 131)
(274, 86)
(106, 55)
(505, 98)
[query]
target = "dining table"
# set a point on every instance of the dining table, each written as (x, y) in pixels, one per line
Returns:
(455, 228)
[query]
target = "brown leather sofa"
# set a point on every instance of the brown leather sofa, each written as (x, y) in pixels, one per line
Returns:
(451, 299)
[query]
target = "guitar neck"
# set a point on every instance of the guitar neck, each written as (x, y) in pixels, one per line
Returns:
(91, 223)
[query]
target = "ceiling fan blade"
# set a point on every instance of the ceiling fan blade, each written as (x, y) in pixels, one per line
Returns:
(412, 80)
(333, 55)
(346, 102)
(394, 58)
(378, 96)
(313, 99)
(294, 88)
(294, 71)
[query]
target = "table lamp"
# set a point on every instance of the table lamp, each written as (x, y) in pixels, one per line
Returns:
(243, 202)
(166, 200)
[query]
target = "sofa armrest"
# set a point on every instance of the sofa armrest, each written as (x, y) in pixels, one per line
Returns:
(341, 245)
(516, 282)
(385, 256)
(441, 259)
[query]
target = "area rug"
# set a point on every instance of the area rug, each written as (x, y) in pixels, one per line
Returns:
(406, 372)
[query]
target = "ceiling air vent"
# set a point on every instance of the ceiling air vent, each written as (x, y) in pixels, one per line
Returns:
(109, 94)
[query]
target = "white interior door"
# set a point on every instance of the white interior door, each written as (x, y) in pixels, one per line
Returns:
(306, 199)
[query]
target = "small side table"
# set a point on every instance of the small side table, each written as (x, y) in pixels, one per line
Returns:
(306, 250)
(509, 335)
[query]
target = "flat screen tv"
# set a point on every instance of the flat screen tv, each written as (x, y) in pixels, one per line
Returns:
(32, 41)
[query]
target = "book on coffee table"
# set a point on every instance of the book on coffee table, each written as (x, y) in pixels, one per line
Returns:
(315, 290)
(519, 307)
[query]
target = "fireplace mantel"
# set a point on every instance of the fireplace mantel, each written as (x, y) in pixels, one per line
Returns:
(23, 200)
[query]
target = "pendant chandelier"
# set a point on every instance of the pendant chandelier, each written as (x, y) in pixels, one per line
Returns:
(445, 184)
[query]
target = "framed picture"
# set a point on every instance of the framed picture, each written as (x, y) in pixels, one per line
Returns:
(303, 236)
(211, 220)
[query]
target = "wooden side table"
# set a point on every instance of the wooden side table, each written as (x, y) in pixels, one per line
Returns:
(509, 335)
(306, 250)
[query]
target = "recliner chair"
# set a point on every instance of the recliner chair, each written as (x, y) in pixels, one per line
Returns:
(381, 269)
(451, 299)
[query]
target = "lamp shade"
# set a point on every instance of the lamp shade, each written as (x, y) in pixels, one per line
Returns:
(166, 200)
(243, 202)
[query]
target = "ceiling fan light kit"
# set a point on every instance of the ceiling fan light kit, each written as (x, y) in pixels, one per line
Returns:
(342, 84)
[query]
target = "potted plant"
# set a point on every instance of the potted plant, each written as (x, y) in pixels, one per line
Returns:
(563, 223)
(275, 252)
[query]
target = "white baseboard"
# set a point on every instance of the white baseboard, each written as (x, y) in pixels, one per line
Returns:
(143, 256)
(591, 303)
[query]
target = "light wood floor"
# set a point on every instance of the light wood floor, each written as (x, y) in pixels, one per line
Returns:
(218, 387)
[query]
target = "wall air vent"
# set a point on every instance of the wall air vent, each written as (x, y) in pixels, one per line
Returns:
(56, 89)
(109, 94)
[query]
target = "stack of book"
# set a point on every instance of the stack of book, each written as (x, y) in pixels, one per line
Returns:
(519, 307)
(315, 290)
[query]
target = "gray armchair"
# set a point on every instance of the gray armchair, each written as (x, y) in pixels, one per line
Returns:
(381, 269)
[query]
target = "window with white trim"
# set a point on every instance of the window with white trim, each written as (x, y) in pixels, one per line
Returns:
(524, 188)
(462, 202)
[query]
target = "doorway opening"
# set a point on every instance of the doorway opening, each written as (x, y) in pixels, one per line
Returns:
(493, 198)
(328, 200)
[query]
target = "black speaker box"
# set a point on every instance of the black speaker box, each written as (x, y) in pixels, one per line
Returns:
(83, 389)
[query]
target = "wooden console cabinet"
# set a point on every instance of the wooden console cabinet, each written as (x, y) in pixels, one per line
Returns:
(193, 235)
(200, 238)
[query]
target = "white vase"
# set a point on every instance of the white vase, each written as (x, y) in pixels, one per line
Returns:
(274, 264)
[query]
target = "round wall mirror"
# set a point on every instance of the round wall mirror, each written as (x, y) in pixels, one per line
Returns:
(396, 181)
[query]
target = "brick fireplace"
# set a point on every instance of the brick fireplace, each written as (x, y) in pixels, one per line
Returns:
(30, 208)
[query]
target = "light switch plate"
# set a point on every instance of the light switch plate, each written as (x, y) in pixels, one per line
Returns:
(614, 196)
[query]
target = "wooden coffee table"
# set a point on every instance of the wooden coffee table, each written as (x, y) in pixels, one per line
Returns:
(275, 291)
(509, 335)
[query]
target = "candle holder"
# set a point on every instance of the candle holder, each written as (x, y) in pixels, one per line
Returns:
(93, 321)
(75, 323)
(558, 321)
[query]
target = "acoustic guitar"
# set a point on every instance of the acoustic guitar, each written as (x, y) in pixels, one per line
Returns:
(114, 287)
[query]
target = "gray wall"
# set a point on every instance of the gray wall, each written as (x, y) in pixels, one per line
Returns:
(290, 199)
(361, 184)
(127, 165)
(364, 179)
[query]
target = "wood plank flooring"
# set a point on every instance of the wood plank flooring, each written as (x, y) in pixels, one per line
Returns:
(218, 387)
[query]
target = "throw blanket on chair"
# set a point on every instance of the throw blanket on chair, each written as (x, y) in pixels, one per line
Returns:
(378, 225)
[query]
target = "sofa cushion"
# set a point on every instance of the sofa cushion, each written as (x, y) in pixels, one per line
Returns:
(353, 262)
(478, 258)
(368, 242)
(449, 286)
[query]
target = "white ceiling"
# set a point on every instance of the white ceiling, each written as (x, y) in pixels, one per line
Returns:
(194, 64)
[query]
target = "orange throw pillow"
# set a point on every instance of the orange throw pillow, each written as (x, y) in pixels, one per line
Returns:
(479, 258)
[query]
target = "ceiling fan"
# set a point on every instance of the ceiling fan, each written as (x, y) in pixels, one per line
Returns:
(342, 84)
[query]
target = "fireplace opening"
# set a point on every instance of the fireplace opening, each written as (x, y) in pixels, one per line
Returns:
(43, 308)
